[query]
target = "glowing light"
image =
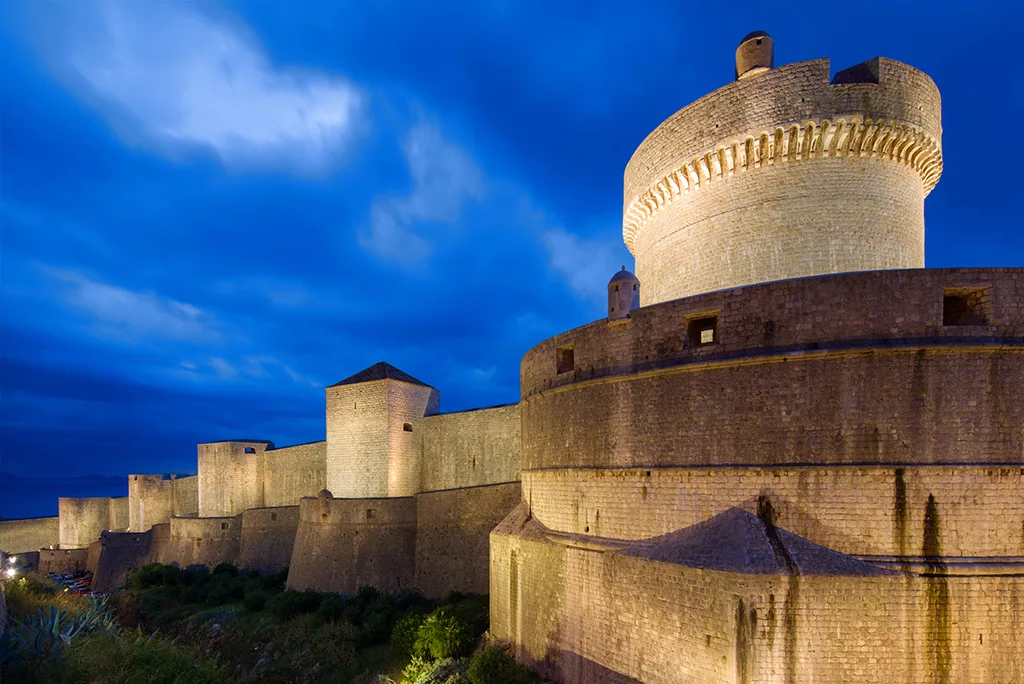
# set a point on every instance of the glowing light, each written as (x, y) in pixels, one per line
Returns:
(10, 572)
(14, 559)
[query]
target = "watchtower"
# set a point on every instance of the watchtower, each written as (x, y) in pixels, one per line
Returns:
(784, 174)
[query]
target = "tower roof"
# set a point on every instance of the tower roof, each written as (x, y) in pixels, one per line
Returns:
(623, 276)
(380, 371)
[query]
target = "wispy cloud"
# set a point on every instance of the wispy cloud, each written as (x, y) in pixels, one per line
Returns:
(125, 314)
(444, 176)
(585, 264)
(178, 77)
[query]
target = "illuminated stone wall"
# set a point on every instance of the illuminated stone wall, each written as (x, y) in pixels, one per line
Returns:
(291, 473)
(469, 448)
(267, 538)
(83, 519)
(29, 534)
(230, 477)
(785, 175)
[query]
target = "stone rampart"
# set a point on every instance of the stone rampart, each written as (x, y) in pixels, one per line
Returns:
(785, 175)
(452, 536)
(63, 560)
(151, 501)
(858, 510)
(203, 541)
(290, 473)
(344, 544)
(469, 448)
(855, 368)
(267, 538)
(83, 519)
(119, 554)
(230, 477)
(186, 495)
(673, 623)
(29, 534)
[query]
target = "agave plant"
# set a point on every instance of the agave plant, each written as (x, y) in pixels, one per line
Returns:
(48, 631)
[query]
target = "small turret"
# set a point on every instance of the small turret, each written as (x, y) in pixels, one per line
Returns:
(623, 295)
(755, 55)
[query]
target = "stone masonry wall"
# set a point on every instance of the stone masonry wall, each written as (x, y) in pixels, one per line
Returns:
(291, 473)
(406, 404)
(452, 536)
(151, 501)
(82, 520)
(186, 495)
(29, 534)
(345, 544)
(469, 448)
(860, 510)
(357, 439)
(230, 479)
(267, 538)
(203, 541)
(581, 615)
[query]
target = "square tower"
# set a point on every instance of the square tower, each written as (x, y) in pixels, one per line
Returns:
(370, 447)
(230, 477)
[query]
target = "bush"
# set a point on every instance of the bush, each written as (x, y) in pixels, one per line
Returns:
(445, 671)
(170, 575)
(444, 634)
(149, 575)
(275, 580)
(138, 659)
(256, 600)
(218, 595)
(332, 608)
(403, 636)
(226, 568)
(287, 605)
(493, 665)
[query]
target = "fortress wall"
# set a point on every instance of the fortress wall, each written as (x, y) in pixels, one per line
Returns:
(82, 520)
(696, 244)
(230, 480)
(203, 541)
(344, 544)
(891, 406)
(406, 404)
(291, 473)
(160, 543)
(267, 538)
(93, 558)
(357, 439)
(29, 534)
(117, 555)
(825, 386)
(582, 616)
(63, 560)
(888, 308)
(185, 491)
(151, 501)
(452, 536)
(859, 510)
(119, 514)
(469, 448)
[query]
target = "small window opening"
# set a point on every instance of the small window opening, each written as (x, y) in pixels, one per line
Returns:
(703, 330)
(407, 427)
(566, 359)
(371, 513)
(223, 526)
(759, 41)
(965, 306)
(616, 288)
(635, 287)
(768, 330)
(250, 450)
(273, 516)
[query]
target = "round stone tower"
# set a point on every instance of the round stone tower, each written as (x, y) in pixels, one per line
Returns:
(623, 295)
(784, 174)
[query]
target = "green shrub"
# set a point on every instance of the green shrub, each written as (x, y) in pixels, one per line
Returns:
(275, 580)
(444, 671)
(405, 633)
(170, 575)
(218, 595)
(106, 660)
(256, 600)
(196, 575)
(493, 665)
(226, 568)
(149, 575)
(193, 594)
(332, 608)
(287, 605)
(444, 634)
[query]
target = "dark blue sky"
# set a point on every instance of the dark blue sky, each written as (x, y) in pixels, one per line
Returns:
(212, 210)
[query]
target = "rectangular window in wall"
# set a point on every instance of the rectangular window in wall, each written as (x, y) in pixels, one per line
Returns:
(703, 330)
(566, 359)
(966, 305)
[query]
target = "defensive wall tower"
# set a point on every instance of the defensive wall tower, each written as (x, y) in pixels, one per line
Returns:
(230, 476)
(784, 174)
(370, 447)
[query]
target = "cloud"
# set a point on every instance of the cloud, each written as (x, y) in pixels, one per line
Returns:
(444, 176)
(124, 314)
(585, 264)
(175, 79)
